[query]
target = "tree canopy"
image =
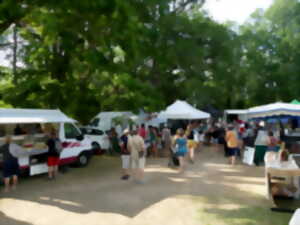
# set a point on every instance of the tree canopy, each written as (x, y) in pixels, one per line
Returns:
(89, 56)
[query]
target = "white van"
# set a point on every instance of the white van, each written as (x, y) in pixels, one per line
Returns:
(97, 129)
(36, 123)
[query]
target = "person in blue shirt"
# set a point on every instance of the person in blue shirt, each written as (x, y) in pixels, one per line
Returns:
(180, 146)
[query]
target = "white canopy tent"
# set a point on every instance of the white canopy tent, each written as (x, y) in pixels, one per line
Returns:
(274, 109)
(13, 116)
(181, 110)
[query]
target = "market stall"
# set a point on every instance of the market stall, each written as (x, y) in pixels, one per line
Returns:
(282, 180)
(28, 129)
(181, 110)
(282, 173)
(282, 118)
(274, 109)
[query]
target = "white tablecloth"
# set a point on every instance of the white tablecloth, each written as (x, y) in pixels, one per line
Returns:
(296, 218)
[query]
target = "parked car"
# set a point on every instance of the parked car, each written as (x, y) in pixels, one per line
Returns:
(99, 139)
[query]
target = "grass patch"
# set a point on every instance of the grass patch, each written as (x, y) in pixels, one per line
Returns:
(242, 216)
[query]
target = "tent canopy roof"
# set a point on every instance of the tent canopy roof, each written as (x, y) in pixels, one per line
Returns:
(183, 110)
(295, 101)
(11, 116)
(275, 109)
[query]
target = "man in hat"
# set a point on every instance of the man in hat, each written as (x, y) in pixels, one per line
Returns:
(125, 155)
(137, 153)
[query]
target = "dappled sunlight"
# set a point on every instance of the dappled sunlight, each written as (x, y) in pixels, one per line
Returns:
(232, 169)
(217, 165)
(60, 201)
(178, 180)
(190, 174)
(243, 179)
(161, 170)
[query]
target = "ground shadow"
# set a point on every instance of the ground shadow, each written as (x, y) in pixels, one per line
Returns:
(98, 188)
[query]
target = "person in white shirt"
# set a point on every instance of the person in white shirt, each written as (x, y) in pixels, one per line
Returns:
(136, 147)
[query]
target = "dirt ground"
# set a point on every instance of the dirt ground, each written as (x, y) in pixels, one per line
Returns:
(209, 193)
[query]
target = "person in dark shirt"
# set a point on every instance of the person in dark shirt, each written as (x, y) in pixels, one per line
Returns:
(125, 155)
(18, 130)
(10, 166)
(53, 154)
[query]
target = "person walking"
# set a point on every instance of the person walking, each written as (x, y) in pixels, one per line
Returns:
(54, 149)
(10, 164)
(180, 145)
(136, 147)
(125, 155)
(232, 144)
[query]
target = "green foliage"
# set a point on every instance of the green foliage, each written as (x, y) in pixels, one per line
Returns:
(89, 56)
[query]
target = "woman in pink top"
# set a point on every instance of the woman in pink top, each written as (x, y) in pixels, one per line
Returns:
(142, 131)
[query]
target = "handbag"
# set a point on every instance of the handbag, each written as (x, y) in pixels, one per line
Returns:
(141, 154)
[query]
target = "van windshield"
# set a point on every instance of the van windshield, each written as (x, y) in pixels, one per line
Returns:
(71, 132)
(95, 122)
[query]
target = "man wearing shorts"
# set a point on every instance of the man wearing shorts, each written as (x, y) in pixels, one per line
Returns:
(233, 144)
(137, 154)
(10, 164)
(53, 154)
(125, 155)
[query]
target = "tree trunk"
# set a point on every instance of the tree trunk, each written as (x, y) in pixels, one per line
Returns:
(15, 52)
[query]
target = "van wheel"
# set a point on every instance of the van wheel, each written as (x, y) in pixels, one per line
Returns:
(83, 160)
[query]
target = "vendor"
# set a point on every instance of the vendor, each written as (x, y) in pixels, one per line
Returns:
(272, 142)
(18, 130)
(10, 164)
(54, 146)
(261, 143)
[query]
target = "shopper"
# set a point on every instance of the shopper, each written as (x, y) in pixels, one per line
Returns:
(142, 131)
(272, 142)
(180, 145)
(192, 144)
(114, 141)
(54, 149)
(10, 164)
(233, 144)
(137, 155)
(153, 139)
(125, 155)
(261, 145)
(166, 141)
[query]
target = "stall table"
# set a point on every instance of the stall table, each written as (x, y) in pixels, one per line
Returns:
(277, 169)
